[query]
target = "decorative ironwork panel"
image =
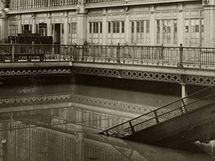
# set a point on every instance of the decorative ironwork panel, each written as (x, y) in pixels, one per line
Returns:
(200, 80)
(139, 75)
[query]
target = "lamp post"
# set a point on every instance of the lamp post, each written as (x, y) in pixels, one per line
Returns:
(4, 149)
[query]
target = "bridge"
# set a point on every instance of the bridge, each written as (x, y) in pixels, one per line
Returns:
(183, 121)
(182, 65)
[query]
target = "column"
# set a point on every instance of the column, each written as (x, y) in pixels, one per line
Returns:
(127, 27)
(104, 28)
(180, 26)
(209, 21)
(162, 32)
(172, 31)
(81, 28)
(19, 24)
(183, 90)
(184, 94)
(49, 25)
(33, 24)
(153, 32)
(3, 23)
(81, 23)
(66, 31)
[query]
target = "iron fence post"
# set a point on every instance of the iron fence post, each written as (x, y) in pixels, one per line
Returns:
(12, 52)
(132, 128)
(180, 56)
(107, 133)
(75, 53)
(118, 53)
(156, 117)
(160, 58)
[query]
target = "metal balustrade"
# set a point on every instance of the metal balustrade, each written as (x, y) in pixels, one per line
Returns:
(177, 108)
(27, 4)
(188, 57)
(100, 1)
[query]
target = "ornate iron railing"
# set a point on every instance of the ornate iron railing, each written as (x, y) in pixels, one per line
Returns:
(23, 4)
(100, 1)
(172, 110)
(116, 54)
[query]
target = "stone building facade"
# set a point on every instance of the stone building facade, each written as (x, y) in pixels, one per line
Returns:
(109, 22)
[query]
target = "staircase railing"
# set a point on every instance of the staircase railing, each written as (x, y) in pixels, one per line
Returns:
(172, 110)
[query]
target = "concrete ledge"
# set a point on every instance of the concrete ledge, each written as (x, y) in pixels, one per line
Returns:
(35, 64)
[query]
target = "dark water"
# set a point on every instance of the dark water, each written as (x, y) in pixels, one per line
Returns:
(78, 140)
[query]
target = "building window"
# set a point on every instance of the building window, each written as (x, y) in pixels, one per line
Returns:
(13, 30)
(123, 27)
(95, 27)
(109, 27)
(26, 29)
(132, 27)
(116, 27)
(73, 28)
(41, 29)
(100, 25)
(194, 29)
(167, 31)
(140, 32)
(72, 37)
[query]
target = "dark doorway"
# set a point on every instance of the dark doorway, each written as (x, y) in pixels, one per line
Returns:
(57, 34)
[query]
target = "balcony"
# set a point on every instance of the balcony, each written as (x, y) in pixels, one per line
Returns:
(117, 3)
(19, 6)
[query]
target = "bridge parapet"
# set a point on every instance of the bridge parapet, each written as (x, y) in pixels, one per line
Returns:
(189, 57)
(191, 65)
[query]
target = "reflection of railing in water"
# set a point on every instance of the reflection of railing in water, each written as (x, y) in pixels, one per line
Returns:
(102, 121)
(177, 108)
(115, 54)
(41, 144)
(50, 99)
(64, 118)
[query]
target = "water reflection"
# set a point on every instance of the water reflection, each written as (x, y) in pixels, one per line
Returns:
(55, 128)
(44, 144)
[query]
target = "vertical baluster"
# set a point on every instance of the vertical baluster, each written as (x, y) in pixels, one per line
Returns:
(118, 53)
(132, 128)
(181, 56)
(156, 116)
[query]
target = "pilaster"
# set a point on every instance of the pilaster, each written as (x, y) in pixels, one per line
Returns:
(49, 25)
(19, 24)
(209, 21)
(104, 27)
(65, 27)
(180, 24)
(81, 22)
(152, 25)
(127, 27)
(4, 25)
(33, 23)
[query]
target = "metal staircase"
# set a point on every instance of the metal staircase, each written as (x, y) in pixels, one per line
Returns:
(174, 119)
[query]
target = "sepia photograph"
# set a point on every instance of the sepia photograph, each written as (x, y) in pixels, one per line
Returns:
(107, 80)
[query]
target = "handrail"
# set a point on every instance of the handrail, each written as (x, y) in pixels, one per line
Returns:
(114, 45)
(170, 56)
(168, 112)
